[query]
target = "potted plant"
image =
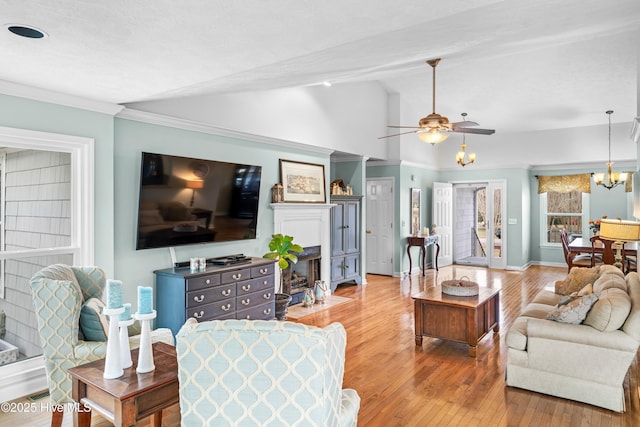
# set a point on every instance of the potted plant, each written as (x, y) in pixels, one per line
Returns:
(281, 249)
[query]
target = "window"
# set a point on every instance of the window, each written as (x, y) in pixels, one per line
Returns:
(558, 211)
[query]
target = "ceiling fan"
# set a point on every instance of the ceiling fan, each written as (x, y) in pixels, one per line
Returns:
(433, 128)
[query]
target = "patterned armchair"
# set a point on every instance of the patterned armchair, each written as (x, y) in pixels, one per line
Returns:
(263, 373)
(58, 294)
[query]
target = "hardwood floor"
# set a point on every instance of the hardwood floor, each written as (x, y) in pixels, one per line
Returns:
(437, 384)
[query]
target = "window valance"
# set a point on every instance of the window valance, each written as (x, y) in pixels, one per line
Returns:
(564, 183)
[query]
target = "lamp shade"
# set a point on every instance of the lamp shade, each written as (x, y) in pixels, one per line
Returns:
(195, 184)
(432, 136)
(619, 230)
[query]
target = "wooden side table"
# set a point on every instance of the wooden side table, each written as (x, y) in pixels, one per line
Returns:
(126, 400)
(423, 242)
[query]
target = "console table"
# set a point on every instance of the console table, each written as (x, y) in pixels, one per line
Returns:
(423, 242)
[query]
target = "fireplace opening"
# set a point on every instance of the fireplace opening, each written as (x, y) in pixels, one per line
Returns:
(297, 277)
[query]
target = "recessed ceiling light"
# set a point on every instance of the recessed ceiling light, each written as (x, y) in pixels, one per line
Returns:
(26, 31)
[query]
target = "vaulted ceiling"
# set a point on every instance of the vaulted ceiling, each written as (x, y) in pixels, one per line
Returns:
(514, 65)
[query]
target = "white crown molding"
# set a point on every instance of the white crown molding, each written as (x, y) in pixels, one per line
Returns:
(38, 94)
(587, 165)
(162, 120)
(635, 130)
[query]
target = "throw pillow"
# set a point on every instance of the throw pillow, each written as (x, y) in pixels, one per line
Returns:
(575, 311)
(566, 299)
(610, 311)
(586, 290)
(577, 279)
(93, 324)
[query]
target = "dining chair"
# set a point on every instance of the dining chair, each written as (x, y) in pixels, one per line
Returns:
(608, 251)
(574, 259)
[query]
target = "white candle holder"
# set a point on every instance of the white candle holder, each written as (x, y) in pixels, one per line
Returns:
(125, 350)
(113, 364)
(145, 352)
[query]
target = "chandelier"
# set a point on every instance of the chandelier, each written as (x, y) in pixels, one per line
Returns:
(611, 179)
(460, 155)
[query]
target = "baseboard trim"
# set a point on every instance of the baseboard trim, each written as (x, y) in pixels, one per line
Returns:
(22, 378)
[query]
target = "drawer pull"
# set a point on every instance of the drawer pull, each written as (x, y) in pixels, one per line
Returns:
(266, 311)
(208, 281)
(226, 307)
(226, 292)
(248, 317)
(198, 299)
(237, 276)
(246, 288)
(266, 282)
(245, 301)
(199, 315)
(267, 295)
(264, 270)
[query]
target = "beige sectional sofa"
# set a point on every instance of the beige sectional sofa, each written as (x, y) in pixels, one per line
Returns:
(583, 360)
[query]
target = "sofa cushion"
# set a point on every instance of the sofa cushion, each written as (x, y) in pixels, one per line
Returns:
(517, 335)
(577, 279)
(610, 279)
(93, 323)
(575, 311)
(586, 290)
(610, 311)
(546, 297)
(537, 311)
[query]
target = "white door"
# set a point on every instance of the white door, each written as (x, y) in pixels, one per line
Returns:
(496, 228)
(379, 226)
(443, 219)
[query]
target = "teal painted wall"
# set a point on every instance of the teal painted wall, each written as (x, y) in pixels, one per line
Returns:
(27, 114)
(132, 138)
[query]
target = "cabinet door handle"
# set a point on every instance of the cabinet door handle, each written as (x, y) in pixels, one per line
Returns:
(266, 311)
(199, 315)
(226, 292)
(226, 307)
(248, 317)
(246, 301)
(246, 288)
(264, 270)
(208, 281)
(267, 295)
(198, 298)
(237, 276)
(266, 282)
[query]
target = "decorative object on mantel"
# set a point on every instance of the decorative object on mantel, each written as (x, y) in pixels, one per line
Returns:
(113, 310)
(321, 290)
(462, 287)
(613, 179)
(277, 195)
(461, 154)
(302, 182)
(145, 315)
(281, 249)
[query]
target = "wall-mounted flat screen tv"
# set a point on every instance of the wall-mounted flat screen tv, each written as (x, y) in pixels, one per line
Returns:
(185, 201)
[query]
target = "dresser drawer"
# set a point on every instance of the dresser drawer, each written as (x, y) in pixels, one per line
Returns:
(259, 312)
(195, 283)
(236, 275)
(256, 298)
(254, 285)
(216, 309)
(206, 296)
(265, 270)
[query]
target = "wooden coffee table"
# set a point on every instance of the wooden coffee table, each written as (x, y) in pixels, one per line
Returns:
(461, 319)
(126, 400)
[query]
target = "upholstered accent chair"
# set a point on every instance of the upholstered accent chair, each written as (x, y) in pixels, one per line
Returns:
(59, 292)
(263, 373)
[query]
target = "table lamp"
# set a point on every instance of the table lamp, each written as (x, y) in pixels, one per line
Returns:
(619, 231)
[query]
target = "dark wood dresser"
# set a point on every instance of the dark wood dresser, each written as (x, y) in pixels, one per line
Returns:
(241, 291)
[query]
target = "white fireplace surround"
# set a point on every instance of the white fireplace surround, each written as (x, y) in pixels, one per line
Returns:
(310, 225)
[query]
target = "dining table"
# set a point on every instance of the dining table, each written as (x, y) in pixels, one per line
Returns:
(581, 245)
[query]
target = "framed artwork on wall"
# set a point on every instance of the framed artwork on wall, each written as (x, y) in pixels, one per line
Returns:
(302, 182)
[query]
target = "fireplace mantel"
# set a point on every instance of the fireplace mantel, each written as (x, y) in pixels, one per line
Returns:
(310, 225)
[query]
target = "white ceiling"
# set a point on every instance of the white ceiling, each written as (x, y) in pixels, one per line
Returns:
(513, 65)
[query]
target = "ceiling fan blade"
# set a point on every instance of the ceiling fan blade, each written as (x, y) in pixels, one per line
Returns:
(397, 134)
(464, 124)
(403, 127)
(476, 131)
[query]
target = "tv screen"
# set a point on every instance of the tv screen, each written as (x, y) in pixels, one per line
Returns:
(185, 201)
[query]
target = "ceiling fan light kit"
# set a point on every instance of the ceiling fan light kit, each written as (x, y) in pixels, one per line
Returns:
(611, 179)
(432, 136)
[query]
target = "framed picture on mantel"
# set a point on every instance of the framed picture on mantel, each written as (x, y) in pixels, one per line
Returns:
(302, 182)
